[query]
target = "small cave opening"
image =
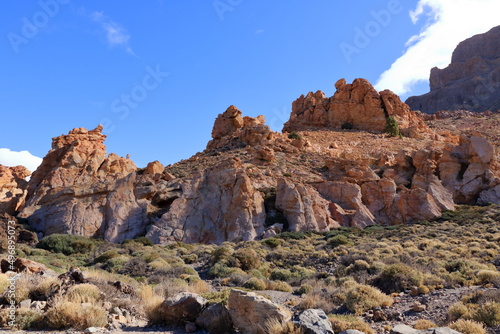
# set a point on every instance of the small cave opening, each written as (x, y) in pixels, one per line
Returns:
(163, 205)
(273, 214)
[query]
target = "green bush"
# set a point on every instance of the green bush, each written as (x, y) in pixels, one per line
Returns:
(273, 242)
(392, 127)
(488, 313)
(294, 135)
(362, 298)
(255, 283)
(397, 278)
(66, 244)
(338, 240)
(108, 255)
(246, 259)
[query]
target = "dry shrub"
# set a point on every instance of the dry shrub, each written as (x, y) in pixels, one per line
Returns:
(83, 293)
(26, 318)
(255, 283)
(468, 327)
(342, 323)
(459, 311)
(4, 283)
(45, 289)
(274, 326)
(279, 286)
(397, 278)
(424, 324)
(151, 300)
(65, 314)
(364, 297)
(488, 313)
(488, 277)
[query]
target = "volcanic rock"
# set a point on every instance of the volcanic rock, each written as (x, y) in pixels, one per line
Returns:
(79, 190)
(355, 106)
(12, 188)
(218, 204)
(249, 312)
(470, 82)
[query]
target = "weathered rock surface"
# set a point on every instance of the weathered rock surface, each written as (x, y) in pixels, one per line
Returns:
(12, 188)
(250, 312)
(183, 307)
(303, 207)
(471, 81)
(79, 190)
(232, 130)
(217, 205)
(314, 321)
(354, 106)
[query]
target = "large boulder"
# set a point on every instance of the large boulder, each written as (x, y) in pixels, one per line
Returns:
(314, 321)
(250, 312)
(183, 307)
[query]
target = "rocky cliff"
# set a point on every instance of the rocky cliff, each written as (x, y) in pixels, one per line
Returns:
(251, 182)
(470, 82)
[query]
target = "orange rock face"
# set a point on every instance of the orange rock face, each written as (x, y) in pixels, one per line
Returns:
(12, 188)
(355, 106)
(79, 190)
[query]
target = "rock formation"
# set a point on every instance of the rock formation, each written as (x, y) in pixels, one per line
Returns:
(470, 82)
(355, 106)
(79, 190)
(251, 182)
(12, 188)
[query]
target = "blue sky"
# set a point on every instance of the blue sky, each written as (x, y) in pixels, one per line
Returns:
(157, 73)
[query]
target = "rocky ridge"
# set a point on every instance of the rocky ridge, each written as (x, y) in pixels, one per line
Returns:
(471, 81)
(252, 182)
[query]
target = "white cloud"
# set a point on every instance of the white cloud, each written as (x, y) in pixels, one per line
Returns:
(12, 158)
(116, 34)
(448, 22)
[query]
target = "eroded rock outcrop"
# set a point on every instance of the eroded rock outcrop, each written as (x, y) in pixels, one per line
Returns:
(219, 204)
(78, 189)
(471, 81)
(354, 106)
(252, 183)
(232, 130)
(12, 188)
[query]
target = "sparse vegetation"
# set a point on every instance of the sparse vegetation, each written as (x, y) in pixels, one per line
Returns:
(392, 127)
(342, 269)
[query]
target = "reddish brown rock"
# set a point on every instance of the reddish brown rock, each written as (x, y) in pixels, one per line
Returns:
(354, 106)
(23, 265)
(232, 130)
(79, 190)
(12, 188)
